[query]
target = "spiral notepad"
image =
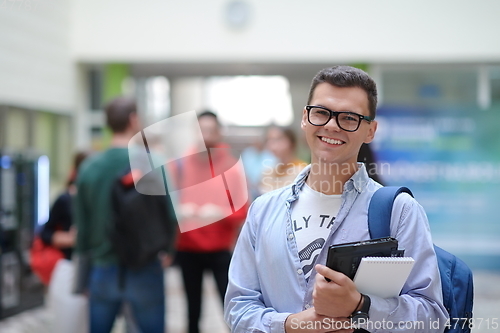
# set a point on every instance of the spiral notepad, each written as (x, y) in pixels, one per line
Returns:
(383, 276)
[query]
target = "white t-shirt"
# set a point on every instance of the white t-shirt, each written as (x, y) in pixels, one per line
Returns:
(313, 214)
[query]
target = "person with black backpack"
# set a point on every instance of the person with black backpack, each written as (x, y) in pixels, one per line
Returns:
(105, 204)
(278, 281)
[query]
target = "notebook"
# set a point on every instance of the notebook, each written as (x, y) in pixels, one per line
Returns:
(383, 276)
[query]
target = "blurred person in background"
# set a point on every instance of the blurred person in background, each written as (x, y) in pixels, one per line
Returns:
(282, 143)
(59, 231)
(367, 156)
(68, 310)
(143, 288)
(255, 158)
(207, 247)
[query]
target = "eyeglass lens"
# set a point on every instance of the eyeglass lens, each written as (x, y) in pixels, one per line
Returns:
(346, 120)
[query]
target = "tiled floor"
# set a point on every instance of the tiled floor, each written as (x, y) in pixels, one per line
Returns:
(486, 309)
(39, 320)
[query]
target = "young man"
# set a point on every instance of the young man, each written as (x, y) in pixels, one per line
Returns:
(277, 274)
(142, 288)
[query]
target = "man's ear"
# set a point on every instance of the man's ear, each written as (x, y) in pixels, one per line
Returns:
(371, 132)
(304, 119)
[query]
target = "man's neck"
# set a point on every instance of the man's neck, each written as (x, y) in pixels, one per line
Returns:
(120, 140)
(329, 178)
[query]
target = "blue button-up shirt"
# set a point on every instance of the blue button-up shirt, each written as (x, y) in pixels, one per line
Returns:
(266, 281)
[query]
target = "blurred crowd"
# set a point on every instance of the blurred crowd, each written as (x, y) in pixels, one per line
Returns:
(83, 215)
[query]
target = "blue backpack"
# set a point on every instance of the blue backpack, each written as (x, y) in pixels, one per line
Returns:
(456, 276)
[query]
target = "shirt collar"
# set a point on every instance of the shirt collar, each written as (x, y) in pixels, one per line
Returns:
(357, 182)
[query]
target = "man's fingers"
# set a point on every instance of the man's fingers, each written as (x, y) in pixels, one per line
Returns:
(337, 277)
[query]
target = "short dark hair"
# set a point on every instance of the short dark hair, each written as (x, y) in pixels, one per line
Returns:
(118, 113)
(347, 76)
(208, 113)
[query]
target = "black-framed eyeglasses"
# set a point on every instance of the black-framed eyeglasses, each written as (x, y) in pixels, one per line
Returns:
(348, 121)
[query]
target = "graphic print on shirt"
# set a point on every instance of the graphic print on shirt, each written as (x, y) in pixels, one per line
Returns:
(313, 216)
(311, 233)
(309, 254)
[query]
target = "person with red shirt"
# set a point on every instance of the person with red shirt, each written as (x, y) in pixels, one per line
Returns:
(208, 228)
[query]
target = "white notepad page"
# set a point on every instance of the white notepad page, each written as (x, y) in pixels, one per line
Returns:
(383, 276)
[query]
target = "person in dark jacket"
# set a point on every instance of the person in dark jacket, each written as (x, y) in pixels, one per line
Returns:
(59, 231)
(142, 288)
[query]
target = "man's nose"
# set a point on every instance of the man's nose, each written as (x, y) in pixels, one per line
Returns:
(332, 125)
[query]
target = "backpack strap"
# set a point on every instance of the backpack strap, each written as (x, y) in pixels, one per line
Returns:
(380, 210)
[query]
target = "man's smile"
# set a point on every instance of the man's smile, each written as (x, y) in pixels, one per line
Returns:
(331, 141)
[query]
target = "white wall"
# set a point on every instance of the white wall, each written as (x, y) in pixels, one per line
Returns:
(288, 30)
(36, 70)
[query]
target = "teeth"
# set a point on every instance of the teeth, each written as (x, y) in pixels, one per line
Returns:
(332, 141)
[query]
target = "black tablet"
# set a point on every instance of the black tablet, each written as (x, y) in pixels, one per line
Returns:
(345, 258)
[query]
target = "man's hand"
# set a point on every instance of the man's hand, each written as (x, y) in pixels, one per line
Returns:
(64, 239)
(309, 321)
(187, 210)
(165, 259)
(337, 298)
(211, 212)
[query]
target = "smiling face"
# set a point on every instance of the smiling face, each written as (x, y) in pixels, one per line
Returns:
(328, 143)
